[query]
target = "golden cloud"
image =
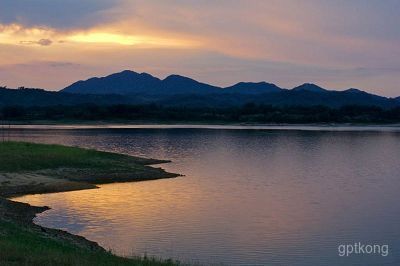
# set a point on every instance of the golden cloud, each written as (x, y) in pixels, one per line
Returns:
(15, 34)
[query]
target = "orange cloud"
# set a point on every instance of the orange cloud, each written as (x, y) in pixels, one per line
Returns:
(16, 34)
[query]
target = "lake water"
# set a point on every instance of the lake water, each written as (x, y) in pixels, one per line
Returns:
(264, 196)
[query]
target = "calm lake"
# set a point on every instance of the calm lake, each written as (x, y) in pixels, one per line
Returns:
(250, 196)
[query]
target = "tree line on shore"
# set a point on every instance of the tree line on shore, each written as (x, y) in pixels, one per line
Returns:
(247, 113)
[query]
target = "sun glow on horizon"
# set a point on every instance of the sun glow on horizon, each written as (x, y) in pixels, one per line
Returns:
(112, 38)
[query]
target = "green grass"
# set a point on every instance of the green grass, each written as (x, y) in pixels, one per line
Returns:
(20, 245)
(72, 164)
(23, 156)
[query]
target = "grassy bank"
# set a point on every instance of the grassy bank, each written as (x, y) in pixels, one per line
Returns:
(27, 168)
(21, 245)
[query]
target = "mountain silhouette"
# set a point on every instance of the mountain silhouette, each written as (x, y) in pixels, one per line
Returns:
(129, 82)
(129, 87)
(309, 87)
(176, 84)
(125, 82)
(253, 88)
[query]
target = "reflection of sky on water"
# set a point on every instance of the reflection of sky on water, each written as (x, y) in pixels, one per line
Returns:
(248, 196)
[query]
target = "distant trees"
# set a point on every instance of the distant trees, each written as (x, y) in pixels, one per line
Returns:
(248, 113)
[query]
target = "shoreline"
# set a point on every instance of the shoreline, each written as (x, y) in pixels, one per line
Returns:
(181, 123)
(22, 214)
(273, 127)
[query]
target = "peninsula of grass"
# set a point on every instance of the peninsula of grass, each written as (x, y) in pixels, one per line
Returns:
(27, 168)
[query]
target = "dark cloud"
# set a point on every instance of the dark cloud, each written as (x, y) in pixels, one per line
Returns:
(45, 42)
(63, 64)
(42, 42)
(55, 13)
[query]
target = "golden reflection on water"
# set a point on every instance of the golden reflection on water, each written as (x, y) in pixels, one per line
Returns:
(133, 217)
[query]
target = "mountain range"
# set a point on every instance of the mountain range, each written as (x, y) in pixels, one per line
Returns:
(129, 87)
(129, 82)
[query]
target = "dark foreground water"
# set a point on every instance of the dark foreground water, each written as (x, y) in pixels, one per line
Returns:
(258, 197)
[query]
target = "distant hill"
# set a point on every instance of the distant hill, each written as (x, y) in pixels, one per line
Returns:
(176, 84)
(333, 99)
(310, 87)
(38, 97)
(125, 82)
(129, 87)
(252, 88)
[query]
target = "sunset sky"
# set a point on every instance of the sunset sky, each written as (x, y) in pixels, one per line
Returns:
(337, 44)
